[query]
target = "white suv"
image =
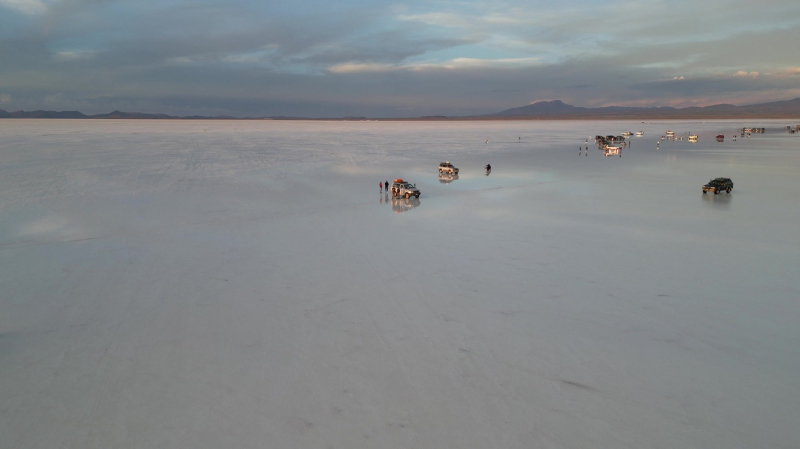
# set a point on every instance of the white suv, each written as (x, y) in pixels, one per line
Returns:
(403, 188)
(447, 167)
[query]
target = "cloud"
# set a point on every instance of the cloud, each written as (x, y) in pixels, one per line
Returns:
(5, 98)
(29, 7)
(388, 48)
(453, 64)
(741, 87)
(75, 55)
(353, 67)
(443, 19)
(388, 59)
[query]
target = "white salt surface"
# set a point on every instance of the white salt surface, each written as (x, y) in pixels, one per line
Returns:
(201, 284)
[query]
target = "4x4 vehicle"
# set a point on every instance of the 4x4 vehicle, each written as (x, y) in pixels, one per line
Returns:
(447, 167)
(405, 189)
(718, 185)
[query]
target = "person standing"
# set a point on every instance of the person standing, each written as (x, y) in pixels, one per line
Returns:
(386, 186)
(380, 185)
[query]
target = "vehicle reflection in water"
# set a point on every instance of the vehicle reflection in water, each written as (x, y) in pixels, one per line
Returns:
(404, 204)
(612, 151)
(447, 178)
(720, 201)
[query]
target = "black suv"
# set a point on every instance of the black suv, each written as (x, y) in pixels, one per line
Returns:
(718, 185)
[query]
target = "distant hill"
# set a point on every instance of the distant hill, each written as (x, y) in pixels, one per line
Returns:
(137, 115)
(542, 110)
(41, 114)
(559, 110)
(110, 115)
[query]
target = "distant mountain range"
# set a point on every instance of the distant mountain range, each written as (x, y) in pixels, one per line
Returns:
(110, 115)
(559, 110)
(542, 110)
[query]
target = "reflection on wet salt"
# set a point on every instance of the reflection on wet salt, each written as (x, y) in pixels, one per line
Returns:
(546, 266)
(719, 201)
(447, 178)
(53, 226)
(404, 204)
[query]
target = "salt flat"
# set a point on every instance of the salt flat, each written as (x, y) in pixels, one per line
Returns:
(212, 284)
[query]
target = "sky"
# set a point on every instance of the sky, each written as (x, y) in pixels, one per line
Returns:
(375, 58)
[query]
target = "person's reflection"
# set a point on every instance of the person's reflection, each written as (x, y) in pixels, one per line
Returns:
(380, 198)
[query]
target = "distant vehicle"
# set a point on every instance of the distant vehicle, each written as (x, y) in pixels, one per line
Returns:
(670, 133)
(401, 188)
(692, 138)
(611, 151)
(717, 185)
(720, 137)
(627, 134)
(447, 167)
(639, 133)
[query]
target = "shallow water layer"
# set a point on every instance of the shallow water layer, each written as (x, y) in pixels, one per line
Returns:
(241, 284)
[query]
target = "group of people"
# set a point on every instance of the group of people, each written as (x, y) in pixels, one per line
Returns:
(385, 185)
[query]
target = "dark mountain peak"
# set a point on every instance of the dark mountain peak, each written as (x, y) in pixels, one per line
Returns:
(551, 107)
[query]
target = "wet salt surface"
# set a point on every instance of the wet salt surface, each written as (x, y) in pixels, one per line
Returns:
(242, 284)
